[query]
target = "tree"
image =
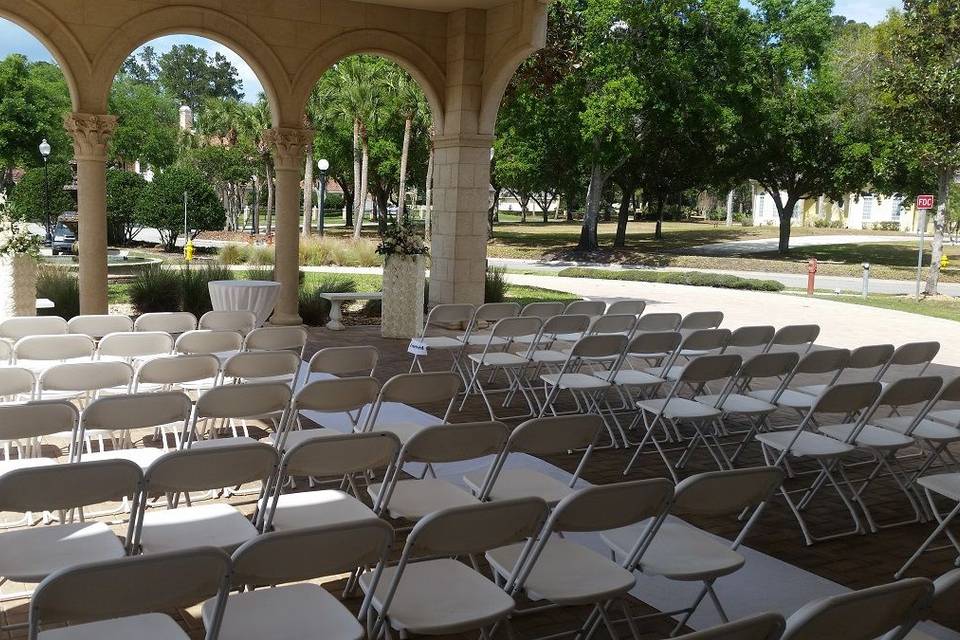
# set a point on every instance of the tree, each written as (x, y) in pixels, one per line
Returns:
(28, 200)
(124, 190)
(256, 120)
(143, 67)
(411, 105)
(161, 205)
(191, 76)
(146, 124)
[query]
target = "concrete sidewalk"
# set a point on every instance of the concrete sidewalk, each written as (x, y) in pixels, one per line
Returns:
(762, 245)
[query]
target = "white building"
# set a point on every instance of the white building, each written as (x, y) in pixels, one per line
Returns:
(865, 210)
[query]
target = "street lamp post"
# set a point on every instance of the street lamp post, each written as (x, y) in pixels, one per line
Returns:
(322, 165)
(45, 153)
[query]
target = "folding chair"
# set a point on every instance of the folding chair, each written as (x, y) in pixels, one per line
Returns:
(6, 352)
(444, 316)
(658, 322)
(219, 525)
(172, 322)
(13, 329)
(862, 359)
(750, 339)
(340, 456)
(187, 372)
(667, 413)
(39, 353)
(222, 344)
(338, 361)
(17, 385)
(262, 366)
(814, 363)
(697, 342)
(24, 426)
(538, 437)
(30, 555)
(861, 615)
(911, 355)
(487, 314)
(590, 308)
(557, 328)
(628, 307)
(292, 339)
(303, 609)
(413, 499)
(943, 602)
(648, 347)
(569, 574)
(133, 347)
(682, 552)
(243, 322)
(803, 443)
(763, 626)
(84, 381)
(428, 592)
(700, 320)
(795, 337)
(97, 326)
(395, 411)
(542, 310)
(332, 399)
(261, 401)
(130, 597)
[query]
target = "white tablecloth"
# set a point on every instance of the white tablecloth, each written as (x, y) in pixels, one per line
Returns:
(258, 296)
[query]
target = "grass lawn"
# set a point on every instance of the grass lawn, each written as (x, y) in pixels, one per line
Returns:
(936, 307)
(689, 278)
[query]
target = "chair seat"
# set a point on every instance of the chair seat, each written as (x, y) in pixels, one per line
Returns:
(520, 483)
(498, 359)
(149, 626)
(143, 457)
(579, 381)
(679, 551)
(204, 384)
(413, 499)
(667, 373)
(217, 525)
(808, 445)
(946, 484)
(813, 389)
(545, 356)
(738, 404)
(679, 408)
(441, 342)
(302, 435)
(221, 442)
(318, 508)
(634, 378)
(790, 398)
(440, 596)
(948, 416)
(403, 430)
(30, 555)
(869, 436)
(566, 573)
(925, 429)
(6, 466)
(291, 612)
(480, 339)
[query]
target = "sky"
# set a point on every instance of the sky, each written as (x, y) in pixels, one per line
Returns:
(13, 39)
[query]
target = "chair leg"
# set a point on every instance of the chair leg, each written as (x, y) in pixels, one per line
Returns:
(942, 524)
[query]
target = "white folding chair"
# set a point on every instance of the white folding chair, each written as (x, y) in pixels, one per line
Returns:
(261, 366)
(700, 320)
(913, 355)
(538, 437)
(265, 402)
(788, 395)
(542, 310)
(38, 353)
(186, 372)
(190, 470)
(862, 360)
(487, 314)
(795, 337)
(127, 598)
(861, 615)
(84, 381)
(172, 322)
(591, 308)
(804, 443)
(12, 329)
(763, 626)
(659, 322)
(243, 322)
(222, 344)
(333, 399)
(946, 588)
(395, 409)
(340, 456)
(696, 342)
(428, 592)
(680, 551)
(276, 339)
(749, 339)
(446, 317)
(412, 499)
(569, 574)
(97, 326)
(646, 347)
(17, 384)
(6, 352)
(24, 426)
(628, 307)
(338, 361)
(302, 609)
(134, 346)
(542, 353)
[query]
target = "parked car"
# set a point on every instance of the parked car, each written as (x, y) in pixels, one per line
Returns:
(64, 237)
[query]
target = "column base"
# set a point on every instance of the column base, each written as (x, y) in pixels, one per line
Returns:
(285, 319)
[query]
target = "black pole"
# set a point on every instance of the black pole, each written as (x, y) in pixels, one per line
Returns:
(323, 196)
(46, 199)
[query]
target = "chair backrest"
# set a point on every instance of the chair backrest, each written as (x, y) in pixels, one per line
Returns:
(720, 493)
(449, 316)
(946, 589)
(860, 615)
(493, 311)
(135, 344)
(137, 411)
(702, 320)
(796, 334)
(514, 327)
(764, 626)
(707, 368)
(168, 321)
(609, 506)
(86, 376)
(421, 388)
(752, 336)
(208, 341)
(61, 487)
(614, 323)
(586, 308)
(178, 369)
(212, 468)
(824, 361)
(455, 442)
(341, 454)
(659, 322)
(243, 322)
(16, 381)
(337, 395)
(251, 365)
(627, 307)
(915, 353)
(870, 356)
(950, 392)
(244, 400)
(97, 326)
(343, 360)
(314, 552)
(769, 365)
(53, 347)
(602, 346)
(36, 419)
(542, 310)
(705, 339)
(16, 328)
(847, 398)
(276, 339)
(555, 434)
(566, 324)
(6, 351)
(655, 342)
(131, 585)
(908, 391)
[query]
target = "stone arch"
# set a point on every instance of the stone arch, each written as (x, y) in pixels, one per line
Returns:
(495, 86)
(56, 38)
(207, 23)
(410, 56)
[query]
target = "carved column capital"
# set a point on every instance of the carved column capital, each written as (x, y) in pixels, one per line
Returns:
(90, 133)
(289, 146)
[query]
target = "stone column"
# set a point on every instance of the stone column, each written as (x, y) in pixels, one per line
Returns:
(289, 146)
(90, 134)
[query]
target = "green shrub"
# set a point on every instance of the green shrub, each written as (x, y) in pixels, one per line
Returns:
(823, 223)
(156, 289)
(315, 309)
(328, 250)
(161, 205)
(746, 221)
(194, 290)
(889, 225)
(260, 255)
(232, 254)
(495, 285)
(689, 278)
(63, 288)
(333, 201)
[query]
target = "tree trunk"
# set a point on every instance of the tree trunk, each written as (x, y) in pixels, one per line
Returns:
(308, 191)
(658, 231)
(786, 220)
(428, 203)
(588, 232)
(255, 223)
(730, 208)
(939, 226)
(357, 175)
(524, 204)
(623, 217)
(404, 154)
(362, 190)
(492, 211)
(270, 197)
(571, 203)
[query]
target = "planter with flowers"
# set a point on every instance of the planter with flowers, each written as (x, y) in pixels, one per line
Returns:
(19, 252)
(404, 268)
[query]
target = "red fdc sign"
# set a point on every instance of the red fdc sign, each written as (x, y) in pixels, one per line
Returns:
(925, 202)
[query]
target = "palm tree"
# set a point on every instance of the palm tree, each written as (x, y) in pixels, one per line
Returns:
(411, 102)
(256, 121)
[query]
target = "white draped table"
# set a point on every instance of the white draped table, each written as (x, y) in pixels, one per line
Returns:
(258, 296)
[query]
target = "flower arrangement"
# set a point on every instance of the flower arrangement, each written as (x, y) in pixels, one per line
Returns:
(15, 238)
(402, 241)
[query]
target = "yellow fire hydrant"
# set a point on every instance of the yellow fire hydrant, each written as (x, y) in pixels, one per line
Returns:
(944, 261)
(188, 251)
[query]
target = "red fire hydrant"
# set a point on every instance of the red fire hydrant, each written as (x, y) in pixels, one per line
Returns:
(811, 275)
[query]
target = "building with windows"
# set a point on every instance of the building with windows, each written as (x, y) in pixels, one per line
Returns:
(864, 210)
